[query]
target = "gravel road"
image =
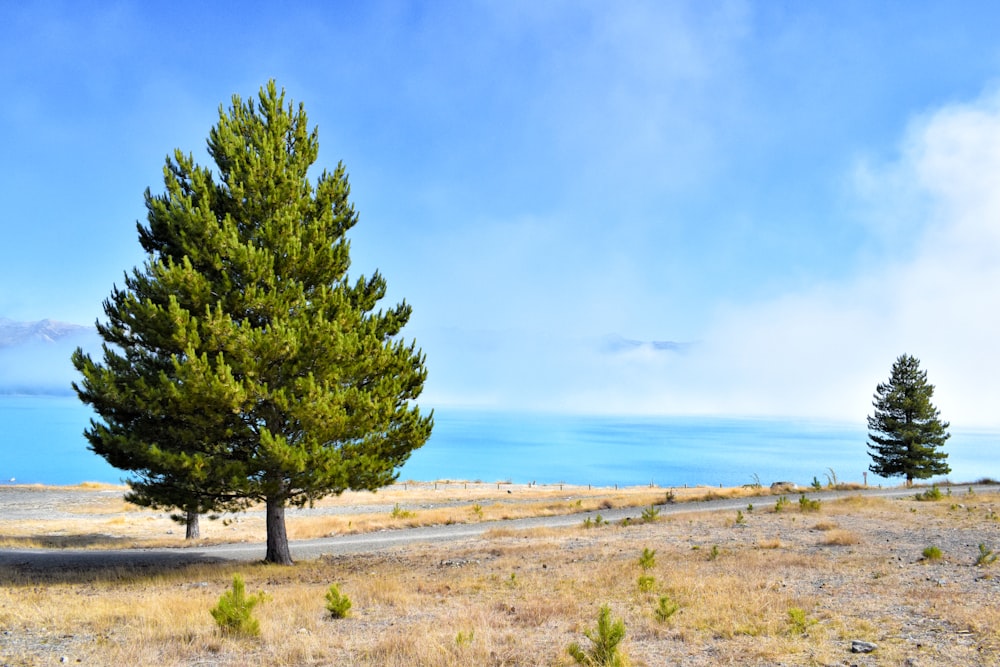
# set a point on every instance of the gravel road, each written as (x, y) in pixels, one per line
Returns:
(24, 502)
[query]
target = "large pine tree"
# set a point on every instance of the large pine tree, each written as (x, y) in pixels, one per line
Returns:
(905, 433)
(241, 364)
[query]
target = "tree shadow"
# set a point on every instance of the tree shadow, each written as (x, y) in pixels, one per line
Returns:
(32, 567)
(80, 541)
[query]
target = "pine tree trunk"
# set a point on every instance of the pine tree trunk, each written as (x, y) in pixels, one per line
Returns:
(193, 531)
(277, 539)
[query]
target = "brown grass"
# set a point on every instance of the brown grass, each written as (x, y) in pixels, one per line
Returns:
(519, 597)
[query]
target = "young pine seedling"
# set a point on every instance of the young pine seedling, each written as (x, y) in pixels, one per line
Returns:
(338, 604)
(665, 608)
(605, 639)
(234, 612)
(985, 557)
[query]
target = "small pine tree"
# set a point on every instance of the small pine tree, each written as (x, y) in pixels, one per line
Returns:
(605, 639)
(338, 604)
(234, 612)
(905, 433)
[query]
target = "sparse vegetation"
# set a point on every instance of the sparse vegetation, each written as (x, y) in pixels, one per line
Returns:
(234, 612)
(453, 604)
(799, 622)
(931, 494)
(605, 640)
(665, 608)
(986, 556)
(932, 553)
(650, 514)
(809, 504)
(400, 513)
(781, 503)
(338, 604)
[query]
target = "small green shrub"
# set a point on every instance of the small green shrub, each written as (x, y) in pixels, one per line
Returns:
(740, 520)
(647, 561)
(808, 505)
(399, 513)
(234, 612)
(932, 553)
(646, 582)
(464, 639)
(798, 621)
(665, 608)
(650, 514)
(714, 553)
(477, 509)
(986, 556)
(338, 604)
(605, 639)
(781, 503)
(816, 484)
(933, 493)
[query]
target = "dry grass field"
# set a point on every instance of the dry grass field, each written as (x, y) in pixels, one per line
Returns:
(758, 587)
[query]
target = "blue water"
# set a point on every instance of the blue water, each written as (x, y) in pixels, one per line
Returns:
(41, 441)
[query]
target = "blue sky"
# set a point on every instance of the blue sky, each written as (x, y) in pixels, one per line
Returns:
(795, 193)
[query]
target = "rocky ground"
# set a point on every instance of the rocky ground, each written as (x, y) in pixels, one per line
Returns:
(856, 568)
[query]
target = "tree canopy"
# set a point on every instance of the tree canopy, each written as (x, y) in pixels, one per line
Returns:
(241, 364)
(905, 433)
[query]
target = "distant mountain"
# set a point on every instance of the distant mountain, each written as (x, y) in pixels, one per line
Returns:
(35, 356)
(43, 331)
(614, 343)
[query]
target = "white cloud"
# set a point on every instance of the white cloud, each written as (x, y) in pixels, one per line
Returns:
(930, 291)
(933, 294)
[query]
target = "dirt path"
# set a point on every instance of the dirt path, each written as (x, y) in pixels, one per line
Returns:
(29, 503)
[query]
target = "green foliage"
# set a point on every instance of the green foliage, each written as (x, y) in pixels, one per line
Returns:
(465, 639)
(750, 507)
(809, 505)
(242, 363)
(400, 513)
(650, 514)
(234, 612)
(338, 604)
(646, 582)
(816, 485)
(665, 608)
(714, 553)
(933, 493)
(932, 553)
(798, 621)
(477, 509)
(740, 519)
(605, 639)
(905, 433)
(781, 503)
(647, 560)
(831, 478)
(986, 556)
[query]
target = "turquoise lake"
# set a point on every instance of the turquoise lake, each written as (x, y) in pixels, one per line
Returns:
(41, 441)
